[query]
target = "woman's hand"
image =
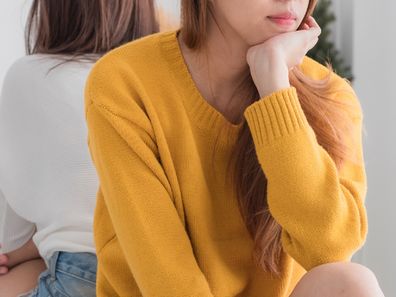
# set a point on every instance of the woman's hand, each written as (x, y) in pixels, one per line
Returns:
(3, 263)
(25, 253)
(271, 61)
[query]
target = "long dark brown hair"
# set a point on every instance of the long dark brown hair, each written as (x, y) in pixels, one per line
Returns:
(76, 28)
(329, 118)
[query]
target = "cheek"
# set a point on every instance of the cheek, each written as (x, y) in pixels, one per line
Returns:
(305, 6)
(260, 33)
(302, 11)
(249, 26)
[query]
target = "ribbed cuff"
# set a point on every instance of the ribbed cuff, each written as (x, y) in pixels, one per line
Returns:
(275, 116)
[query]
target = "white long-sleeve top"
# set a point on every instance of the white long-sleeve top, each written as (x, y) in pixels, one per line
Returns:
(48, 183)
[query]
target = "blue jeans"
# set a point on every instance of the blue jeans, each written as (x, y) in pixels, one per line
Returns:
(68, 275)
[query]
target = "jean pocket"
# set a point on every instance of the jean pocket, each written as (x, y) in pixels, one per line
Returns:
(72, 285)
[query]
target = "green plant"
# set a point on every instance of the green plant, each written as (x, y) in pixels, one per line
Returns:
(325, 50)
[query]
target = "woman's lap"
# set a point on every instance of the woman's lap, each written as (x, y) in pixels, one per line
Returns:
(68, 275)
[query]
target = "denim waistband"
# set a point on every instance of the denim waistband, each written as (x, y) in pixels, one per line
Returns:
(83, 264)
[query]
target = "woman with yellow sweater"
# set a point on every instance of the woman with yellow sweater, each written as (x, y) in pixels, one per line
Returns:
(230, 164)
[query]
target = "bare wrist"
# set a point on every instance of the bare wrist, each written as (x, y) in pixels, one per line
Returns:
(273, 84)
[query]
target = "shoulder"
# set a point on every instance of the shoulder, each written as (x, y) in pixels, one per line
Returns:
(33, 95)
(17, 73)
(122, 76)
(133, 57)
(314, 69)
(34, 67)
(38, 75)
(21, 82)
(338, 87)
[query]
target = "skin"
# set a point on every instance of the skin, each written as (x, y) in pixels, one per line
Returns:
(20, 269)
(242, 39)
(21, 278)
(340, 279)
(25, 253)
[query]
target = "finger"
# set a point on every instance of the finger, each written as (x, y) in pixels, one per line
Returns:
(3, 270)
(309, 38)
(313, 32)
(311, 22)
(312, 44)
(3, 259)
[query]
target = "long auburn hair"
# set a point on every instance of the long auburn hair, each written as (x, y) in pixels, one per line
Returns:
(83, 27)
(328, 117)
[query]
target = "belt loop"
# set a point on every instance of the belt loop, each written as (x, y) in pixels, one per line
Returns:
(52, 265)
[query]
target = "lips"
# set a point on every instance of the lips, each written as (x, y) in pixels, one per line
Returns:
(285, 19)
(284, 16)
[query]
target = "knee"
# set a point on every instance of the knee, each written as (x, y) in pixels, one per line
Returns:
(339, 279)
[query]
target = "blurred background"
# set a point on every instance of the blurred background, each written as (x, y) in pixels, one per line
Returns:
(363, 36)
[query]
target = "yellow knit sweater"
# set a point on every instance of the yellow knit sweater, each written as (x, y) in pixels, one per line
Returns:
(166, 224)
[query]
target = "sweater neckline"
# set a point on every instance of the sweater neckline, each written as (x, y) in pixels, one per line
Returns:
(205, 116)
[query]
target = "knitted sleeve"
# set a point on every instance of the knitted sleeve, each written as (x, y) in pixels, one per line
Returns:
(138, 197)
(321, 210)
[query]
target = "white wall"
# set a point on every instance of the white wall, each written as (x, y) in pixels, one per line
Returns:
(12, 19)
(374, 64)
(172, 6)
(365, 35)
(343, 29)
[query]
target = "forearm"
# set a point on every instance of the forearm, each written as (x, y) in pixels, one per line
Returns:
(25, 253)
(320, 207)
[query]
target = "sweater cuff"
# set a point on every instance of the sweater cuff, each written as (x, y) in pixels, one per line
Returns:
(275, 116)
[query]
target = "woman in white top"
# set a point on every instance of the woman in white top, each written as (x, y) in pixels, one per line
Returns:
(47, 181)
